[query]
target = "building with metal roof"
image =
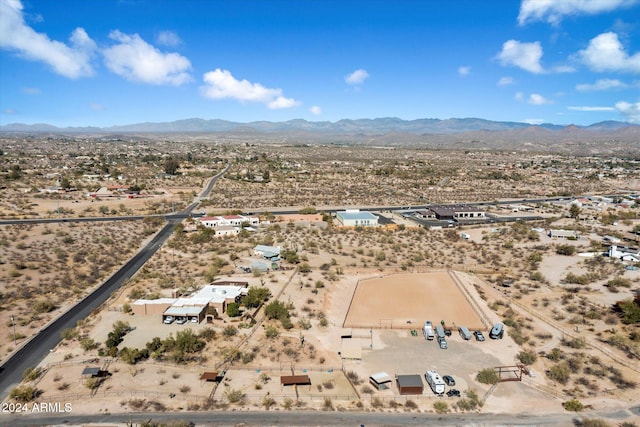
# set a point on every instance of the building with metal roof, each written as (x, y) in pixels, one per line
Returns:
(356, 218)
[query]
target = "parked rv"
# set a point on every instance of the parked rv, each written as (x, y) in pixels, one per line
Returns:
(497, 332)
(435, 381)
(427, 331)
(464, 333)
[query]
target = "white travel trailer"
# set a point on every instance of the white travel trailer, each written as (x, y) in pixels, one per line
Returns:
(427, 330)
(435, 381)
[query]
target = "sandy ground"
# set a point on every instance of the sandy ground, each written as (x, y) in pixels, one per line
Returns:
(407, 300)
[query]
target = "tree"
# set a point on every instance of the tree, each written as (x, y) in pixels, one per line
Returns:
(233, 310)
(256, 296)
(276, 310)
(171, 166)
(574, 211)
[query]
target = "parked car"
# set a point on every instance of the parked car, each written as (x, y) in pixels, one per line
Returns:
(181, 320)
(194, 319)
(453, 393)
(167, 320)
(497, 331)
(448, 379)
(447, 332)
(479, 336)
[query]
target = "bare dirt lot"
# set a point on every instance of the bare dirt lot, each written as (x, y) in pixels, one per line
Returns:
(407, 300)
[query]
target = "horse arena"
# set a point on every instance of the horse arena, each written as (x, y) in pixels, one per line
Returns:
(406, 301)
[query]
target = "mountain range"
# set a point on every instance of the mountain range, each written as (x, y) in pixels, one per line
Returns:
(346, 126)
(603, 138)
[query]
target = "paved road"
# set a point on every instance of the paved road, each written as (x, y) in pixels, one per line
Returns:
(36, 349)
(295, 418)
(32, 353)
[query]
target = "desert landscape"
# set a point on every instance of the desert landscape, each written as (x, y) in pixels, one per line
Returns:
(335, 290)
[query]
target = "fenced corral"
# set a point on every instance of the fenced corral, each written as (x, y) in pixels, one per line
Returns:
(405, 301)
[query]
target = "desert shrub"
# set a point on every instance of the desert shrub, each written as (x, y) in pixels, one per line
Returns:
(353, 377)
(527, 357)
(565, 250)
(629, 311)
(573, 405)
(593, 422)
(88, 343)
(487, 376)
(287, 403)
(268, 402)
(230, 331)
(234, 396)
(31, 374)
(441, 407)
(376, 402)
(328, 404)
(560, 373)
(271, 332)
(24, 393)
(410, 404)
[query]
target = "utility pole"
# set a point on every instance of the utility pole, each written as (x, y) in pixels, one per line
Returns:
(13, 323)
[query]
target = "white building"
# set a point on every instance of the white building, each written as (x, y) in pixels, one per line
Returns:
(355, 218)
(228, 221)
(623, 255)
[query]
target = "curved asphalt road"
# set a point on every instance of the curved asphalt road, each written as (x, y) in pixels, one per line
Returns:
(36, 349)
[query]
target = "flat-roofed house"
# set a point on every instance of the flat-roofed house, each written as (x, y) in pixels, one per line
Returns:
(356, 218)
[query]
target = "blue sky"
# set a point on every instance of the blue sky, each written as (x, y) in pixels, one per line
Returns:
(116, 62)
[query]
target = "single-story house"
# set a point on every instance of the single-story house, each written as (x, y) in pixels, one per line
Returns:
(268, 252)
(563, 234)
(356, 218)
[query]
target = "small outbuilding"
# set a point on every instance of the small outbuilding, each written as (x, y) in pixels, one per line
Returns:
(409, 384)
(295, 380)
(380, 380)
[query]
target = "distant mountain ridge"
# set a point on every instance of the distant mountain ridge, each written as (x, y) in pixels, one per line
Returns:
(346, 126)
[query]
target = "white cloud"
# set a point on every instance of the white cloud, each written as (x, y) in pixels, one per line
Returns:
(519, 96)
(72, 60)
(602, 84)
(136, 60)
(589, 108)
(564, 69)
(357, 77)
(315, 110)
(537, 99)
(168, 38)
(630, 111)
(606, 53)
(220, 84)
(553, 11)
(534, 121)
(9, 111)
(506, 81)
(464, 70)
(96, 107)
(31, 91)
(524, 55)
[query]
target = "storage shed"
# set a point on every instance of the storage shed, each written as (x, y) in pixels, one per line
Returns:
(380, 380)
(409, 384)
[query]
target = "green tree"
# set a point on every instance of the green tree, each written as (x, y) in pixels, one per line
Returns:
(171, 166)
(256, 296)
(276, 310)
(233, 310)
(574, 211)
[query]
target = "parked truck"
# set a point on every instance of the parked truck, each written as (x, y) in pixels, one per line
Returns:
(435, 381)
(427, 331)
